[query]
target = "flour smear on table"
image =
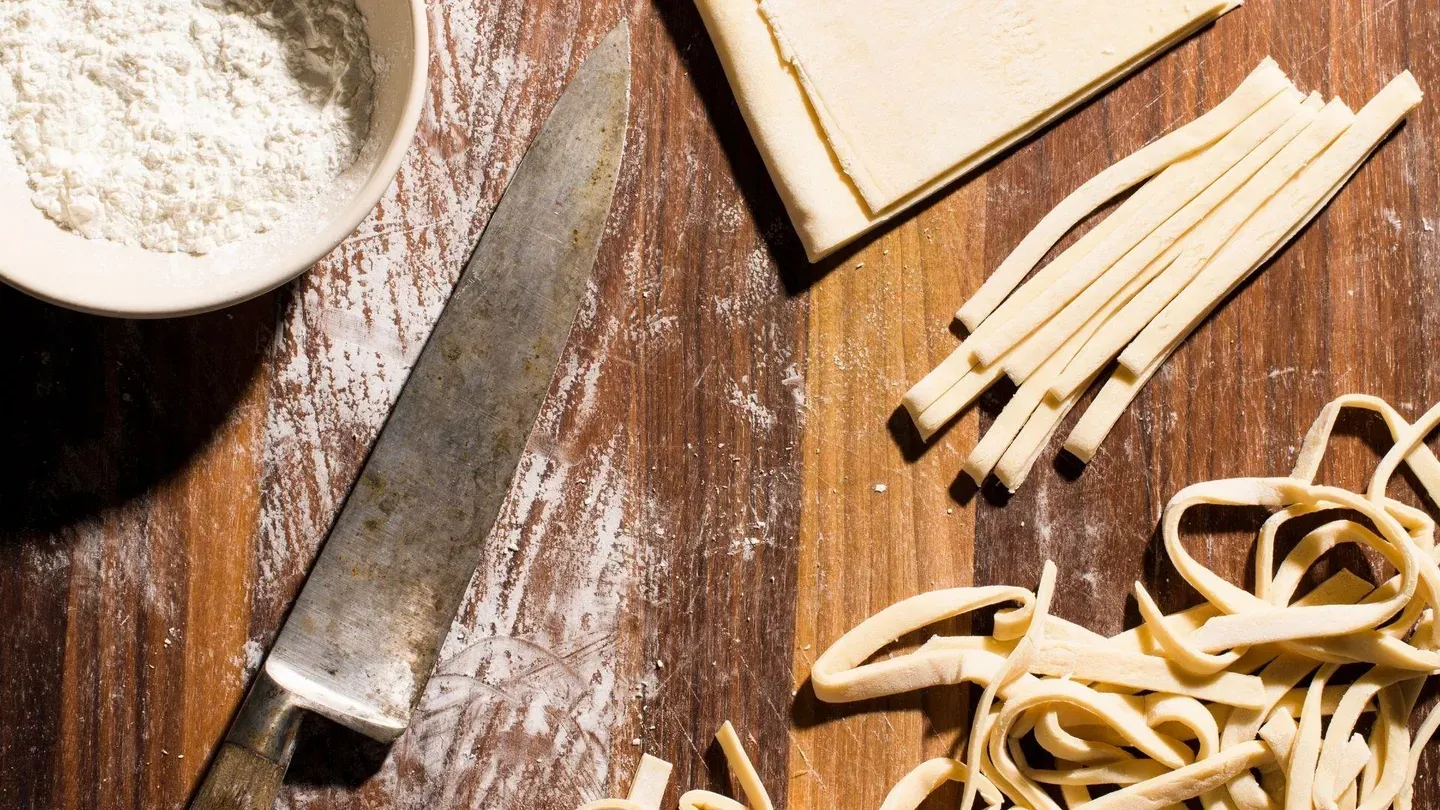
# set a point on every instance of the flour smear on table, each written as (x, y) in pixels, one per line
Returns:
(181, 125)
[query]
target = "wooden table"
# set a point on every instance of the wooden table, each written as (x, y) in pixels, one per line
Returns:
(697, 515)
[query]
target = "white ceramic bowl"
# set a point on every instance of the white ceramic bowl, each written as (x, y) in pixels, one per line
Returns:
(106, 278)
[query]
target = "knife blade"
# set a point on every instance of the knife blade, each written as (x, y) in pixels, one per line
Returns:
(362, 638)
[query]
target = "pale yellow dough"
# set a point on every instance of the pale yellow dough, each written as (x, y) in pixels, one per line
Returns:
(860, 111)
(646, 789)
(1280, 217)
(935, 399)
(823, 204)
(1032, 415)
(1243, 702)
(1136, 284)
(1263, 84)
(910, 90)
(1149, 233)
(960, 378)
(1180, 238)
(1264, 233)
(1192, 705)
(1210, 236)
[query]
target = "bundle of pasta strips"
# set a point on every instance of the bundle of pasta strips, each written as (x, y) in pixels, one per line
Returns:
(1220, 196)
(1252, 700)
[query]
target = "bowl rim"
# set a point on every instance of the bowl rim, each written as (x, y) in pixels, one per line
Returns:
(304, 257)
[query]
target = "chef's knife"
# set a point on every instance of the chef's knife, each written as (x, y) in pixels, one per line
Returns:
(364, 633)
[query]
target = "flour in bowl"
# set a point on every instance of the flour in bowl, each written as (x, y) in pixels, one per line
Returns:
(181, 125)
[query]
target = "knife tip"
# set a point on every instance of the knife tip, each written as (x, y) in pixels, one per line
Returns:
(618, 38)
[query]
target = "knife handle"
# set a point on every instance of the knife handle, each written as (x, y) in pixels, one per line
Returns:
(239, 779)
(250, 765)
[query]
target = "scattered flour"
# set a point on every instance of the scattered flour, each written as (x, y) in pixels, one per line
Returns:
(1391, 218)
(745, 547)
(181, 125)
(761, 417)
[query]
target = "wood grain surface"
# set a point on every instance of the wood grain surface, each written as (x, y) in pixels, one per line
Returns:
(697, 514)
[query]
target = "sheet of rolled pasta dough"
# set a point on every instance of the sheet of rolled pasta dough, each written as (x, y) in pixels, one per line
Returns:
(825, 206)
(911, 90)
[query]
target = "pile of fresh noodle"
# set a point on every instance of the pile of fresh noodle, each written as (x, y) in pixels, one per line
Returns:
(1253, 700)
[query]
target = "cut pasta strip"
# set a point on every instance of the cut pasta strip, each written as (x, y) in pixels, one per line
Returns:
(1422, 738)
(653, 775)
(744, 772)
(1069, 733)
(1026, 358)
(1168, 751)
(1332, 771)
(1105, 410)
(1264, 83)
(647, 788)
(1135, 285)
(1276, 222)
(1179, 186)
(926, 394)
(1185, 656)
(1204, 221)
(1281, 217)
(1211, 235)
(840, 674)
(1354, 757)
(1120, 772)
(1421, 461)
(1015, 465)
(1084, 662)
(1305, 751)
(959, 396)
(1189, 782)
(928, 776)
(1061, 308)
(1279, 733)
(988, 451)
(1016, 665)
(1261, 86)
(1262, 622)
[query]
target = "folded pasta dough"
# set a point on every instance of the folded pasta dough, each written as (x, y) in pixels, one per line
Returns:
(823, 204)
(910, 90)
(798, 89)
